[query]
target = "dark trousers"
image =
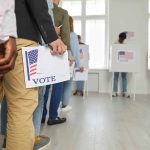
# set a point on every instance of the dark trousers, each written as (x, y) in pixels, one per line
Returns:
(54, 102)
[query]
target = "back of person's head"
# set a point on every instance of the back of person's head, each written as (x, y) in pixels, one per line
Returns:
(71, 24)
(79, 39)
(56, 2)
(122, 37)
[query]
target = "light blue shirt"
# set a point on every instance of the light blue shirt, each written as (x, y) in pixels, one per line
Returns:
(74, 48)
(50, 7)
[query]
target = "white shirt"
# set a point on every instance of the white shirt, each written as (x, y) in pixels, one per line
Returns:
(7, 20)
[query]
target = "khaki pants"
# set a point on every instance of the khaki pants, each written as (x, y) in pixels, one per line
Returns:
(21, 104)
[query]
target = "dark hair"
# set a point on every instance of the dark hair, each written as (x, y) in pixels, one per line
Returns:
(122, 36)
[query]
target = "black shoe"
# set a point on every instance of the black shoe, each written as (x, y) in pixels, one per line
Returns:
(4, 143)
(58, 120)
(43, 120)
(75, 93)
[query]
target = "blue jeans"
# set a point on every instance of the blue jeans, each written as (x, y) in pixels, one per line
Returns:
(124, 81)
(54, 102)
(37, 115)
(79, 85)
(67, 88)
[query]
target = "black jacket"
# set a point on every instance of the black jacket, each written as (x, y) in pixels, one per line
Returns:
(34, 21)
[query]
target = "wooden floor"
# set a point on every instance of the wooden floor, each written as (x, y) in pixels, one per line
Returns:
(97, 123)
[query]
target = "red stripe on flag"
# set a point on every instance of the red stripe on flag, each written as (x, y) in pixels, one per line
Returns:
(32, 73)
(33, 66)
(32, 70)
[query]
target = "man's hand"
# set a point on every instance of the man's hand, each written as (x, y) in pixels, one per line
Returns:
(81, 69)
(71, 60)
(57, 29)
(58, 47)
(8, 55)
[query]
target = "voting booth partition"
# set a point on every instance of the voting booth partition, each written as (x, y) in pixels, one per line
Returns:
(124, 58)
(84, 62)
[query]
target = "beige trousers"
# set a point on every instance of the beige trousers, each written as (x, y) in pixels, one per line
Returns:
(21, 104)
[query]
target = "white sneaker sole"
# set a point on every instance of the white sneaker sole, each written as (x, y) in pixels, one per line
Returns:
(46, 147)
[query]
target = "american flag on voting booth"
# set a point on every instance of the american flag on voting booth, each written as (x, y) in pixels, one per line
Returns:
(125, 55)
(31, 59)
(81, 54)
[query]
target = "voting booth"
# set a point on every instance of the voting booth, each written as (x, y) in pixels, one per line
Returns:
(84, 61)
(124, 58)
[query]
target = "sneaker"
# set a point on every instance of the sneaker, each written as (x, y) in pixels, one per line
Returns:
(125, 94)
(114, 94)
(41, 143)
(58, 120)
(66, 109)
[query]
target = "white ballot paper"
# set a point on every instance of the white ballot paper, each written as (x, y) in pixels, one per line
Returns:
(80, 76)
(72, 69)
(41, 68)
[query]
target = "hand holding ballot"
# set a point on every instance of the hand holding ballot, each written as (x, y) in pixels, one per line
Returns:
(71, 60)
(57, 29)
(81, 69)
(57, 47)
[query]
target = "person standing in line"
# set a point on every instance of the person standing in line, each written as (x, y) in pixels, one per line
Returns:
(41, 141)
(79, 84)
(21, 101)
(122, 37)
(67, 85)
(61, 20)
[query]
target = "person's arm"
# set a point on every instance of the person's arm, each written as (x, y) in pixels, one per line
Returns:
(39, 11)
(8, 51)
(74, 45)
(65, 30)
(7, 20)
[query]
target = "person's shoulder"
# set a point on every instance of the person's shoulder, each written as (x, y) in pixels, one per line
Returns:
(63, 10)
(73, 34)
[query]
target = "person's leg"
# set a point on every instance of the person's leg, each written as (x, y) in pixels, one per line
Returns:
(3, 117)
(40, 141)
(37, 115)
(67, 88)
(55, 100)
(1, 88)
(124, 82)
(21, 104)
(46, 95)
(80, 85)
(115, 85)
(54, 105)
